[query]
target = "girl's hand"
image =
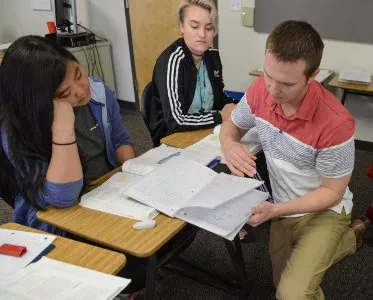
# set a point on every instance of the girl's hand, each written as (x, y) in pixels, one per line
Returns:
(63, 122)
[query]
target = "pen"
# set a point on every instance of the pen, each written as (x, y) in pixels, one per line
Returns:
(213, 163)
(163, 160)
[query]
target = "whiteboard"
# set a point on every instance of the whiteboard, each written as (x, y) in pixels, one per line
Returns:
(345, 20)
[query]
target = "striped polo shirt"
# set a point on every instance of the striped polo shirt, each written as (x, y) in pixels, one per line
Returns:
(317, 141)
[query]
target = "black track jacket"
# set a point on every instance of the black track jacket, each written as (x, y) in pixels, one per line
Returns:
(173, 87)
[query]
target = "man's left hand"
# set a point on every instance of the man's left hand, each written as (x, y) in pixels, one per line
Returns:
(263, 212)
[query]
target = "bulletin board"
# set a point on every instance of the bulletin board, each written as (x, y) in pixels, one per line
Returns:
(345, 20)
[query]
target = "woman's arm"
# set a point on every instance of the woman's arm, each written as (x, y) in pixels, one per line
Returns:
(122, 144)
(64, 178)
(125, 152)
(217, 75)
(65, 163)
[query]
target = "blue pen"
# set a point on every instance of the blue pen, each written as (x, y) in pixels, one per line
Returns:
(163, 160)
(213, 163)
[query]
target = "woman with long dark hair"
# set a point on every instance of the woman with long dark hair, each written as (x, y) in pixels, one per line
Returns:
(59, 129)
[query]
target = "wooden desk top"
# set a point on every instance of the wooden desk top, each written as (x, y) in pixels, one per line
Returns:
(185, 139)
(79, 254)
(256, 72)
(351, 86)
(113, 231)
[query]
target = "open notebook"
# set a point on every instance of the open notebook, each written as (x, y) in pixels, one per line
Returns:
(109, 196)
(153, 158)
(190, 191)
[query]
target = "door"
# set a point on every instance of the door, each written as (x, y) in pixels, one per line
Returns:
(154, 26)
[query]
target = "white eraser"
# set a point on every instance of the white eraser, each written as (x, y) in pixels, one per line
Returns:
(144, 224)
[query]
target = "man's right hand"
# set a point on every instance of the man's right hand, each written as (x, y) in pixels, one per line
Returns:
(239, 159)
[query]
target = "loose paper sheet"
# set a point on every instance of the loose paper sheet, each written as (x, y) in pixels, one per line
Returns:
(34, 242)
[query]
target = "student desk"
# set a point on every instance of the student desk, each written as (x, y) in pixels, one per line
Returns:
(79, 254)
(115, 232)
(352, 88)
(187, 138)
(256, 72)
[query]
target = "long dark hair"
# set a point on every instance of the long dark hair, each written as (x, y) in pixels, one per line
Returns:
(30, 73)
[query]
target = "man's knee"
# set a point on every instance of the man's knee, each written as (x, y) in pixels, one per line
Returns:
(289, 289)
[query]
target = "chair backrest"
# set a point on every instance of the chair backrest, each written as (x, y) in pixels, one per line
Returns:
(145, 104)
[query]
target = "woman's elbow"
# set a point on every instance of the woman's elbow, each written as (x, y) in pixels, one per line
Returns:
(68, 201)
(65, 195)
(174, 126)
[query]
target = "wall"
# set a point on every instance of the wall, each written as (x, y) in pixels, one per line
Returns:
(242, 50)
(237, 41)
(106, 17)
(17, 19)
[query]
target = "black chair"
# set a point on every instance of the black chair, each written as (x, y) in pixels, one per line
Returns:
(148, 112)
(145, 104)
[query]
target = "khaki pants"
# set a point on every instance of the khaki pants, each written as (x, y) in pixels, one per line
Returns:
(303, 248)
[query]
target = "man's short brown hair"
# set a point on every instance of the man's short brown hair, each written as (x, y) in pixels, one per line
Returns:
(294, 40)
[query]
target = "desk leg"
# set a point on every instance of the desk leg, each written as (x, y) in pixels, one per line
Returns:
(345, 91)
(237, 243)
(238, 264)
(151, 275)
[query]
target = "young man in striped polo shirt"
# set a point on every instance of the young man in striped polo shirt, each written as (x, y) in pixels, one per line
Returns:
(308, 140)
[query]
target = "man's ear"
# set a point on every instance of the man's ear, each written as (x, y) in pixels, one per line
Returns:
(181, 28)
(312, 77)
